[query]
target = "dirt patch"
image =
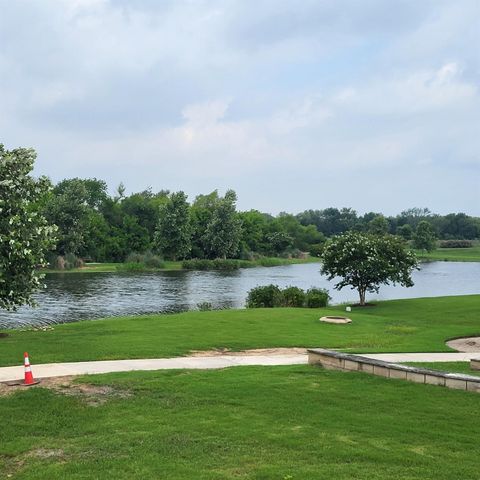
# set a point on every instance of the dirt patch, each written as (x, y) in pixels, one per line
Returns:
(46, 453)
(470, 344)
(93, 395)
(3, 335)
(254, 352)
(337, 320)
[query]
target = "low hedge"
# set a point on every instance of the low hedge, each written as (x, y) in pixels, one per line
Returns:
(270, 296)
(217, 264)
(455, 244)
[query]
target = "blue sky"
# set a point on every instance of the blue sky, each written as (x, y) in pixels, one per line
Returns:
(370, 104)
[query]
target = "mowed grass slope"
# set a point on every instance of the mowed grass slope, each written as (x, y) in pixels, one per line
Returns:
(452, 254)
(418, 325)
(273, 423)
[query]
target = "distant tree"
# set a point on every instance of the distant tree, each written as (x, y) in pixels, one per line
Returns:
(330, 221)
(144, 206)
(95, 190)
(405, 231)
(223, 233)
(120, 192)
(413, 216)
(254, 229)
(201, 214)
(279, 242)
(378, 225)
(174, 234)
(67, 208)
(424, 237)
(458, 226)
(25, 235)
(365, 262)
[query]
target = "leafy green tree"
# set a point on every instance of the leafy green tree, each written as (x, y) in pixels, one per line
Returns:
(145, 207)
(254, 229)
(405, 231)
(279, 242)
(458, 226)
(201, 214)
(330, 221)
(25, 235)
(67, 208)
(378, 225)
(223, 233)
(173, 236)
(366, 261)
(95, 190)
(424, 237)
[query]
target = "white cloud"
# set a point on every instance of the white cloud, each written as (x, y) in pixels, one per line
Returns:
(210, 94)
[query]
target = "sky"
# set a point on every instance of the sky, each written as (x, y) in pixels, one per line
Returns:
(371, 104)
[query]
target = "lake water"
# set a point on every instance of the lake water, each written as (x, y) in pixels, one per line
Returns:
(76, 296)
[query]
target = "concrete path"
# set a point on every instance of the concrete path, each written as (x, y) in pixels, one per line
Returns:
(219, 361)
(424, 357)
(107, 366)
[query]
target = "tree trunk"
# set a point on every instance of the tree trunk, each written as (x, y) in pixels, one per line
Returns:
(362, 292)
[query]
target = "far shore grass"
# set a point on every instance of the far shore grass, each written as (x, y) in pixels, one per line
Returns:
(413, 325)
(171, 265)
(471, 254)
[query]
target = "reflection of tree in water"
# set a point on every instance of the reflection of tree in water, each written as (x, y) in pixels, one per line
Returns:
(76, 284)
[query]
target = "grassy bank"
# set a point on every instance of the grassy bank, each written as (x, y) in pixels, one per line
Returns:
(451, 254)
(274, 423)
(417, 325)
(171, 265)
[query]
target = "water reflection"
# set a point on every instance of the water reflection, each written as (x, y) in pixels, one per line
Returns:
(72, 296)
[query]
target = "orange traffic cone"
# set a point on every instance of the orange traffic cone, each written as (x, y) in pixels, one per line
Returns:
(29, 380)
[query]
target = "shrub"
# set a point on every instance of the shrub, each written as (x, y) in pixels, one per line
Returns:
(293, 297)
(317, 298)
(217, 264)
(317, 249)
(220, 264)
(267, 296)
(456, 244)
(131, 267)
(204, 306)
(134, 258)
(59, 263)
(71, 261)
(153, 261)
(143, 261)
(271, 262)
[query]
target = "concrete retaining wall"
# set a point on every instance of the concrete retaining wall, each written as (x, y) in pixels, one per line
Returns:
(475, 363)
(333, 360)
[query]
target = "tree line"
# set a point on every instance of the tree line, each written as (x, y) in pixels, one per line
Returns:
(100, 227)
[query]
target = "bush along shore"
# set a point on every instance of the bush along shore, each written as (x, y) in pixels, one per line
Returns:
(271, 296)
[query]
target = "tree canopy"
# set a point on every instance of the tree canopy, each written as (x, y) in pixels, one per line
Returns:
(174, 231)
(25, 235)
(366, 261)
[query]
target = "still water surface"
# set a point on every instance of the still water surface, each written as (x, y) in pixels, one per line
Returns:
(76, 296)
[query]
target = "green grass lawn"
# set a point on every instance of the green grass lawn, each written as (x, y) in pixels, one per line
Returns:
(452, 254)
(417, 325)
(274, 423)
